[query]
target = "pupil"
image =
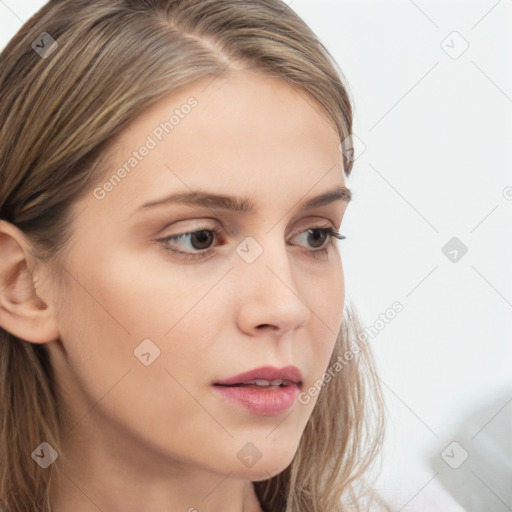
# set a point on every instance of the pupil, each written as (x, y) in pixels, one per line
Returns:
(201, 236)
(322, 234)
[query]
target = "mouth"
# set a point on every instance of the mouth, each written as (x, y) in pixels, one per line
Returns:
(264, 384)
(265, 391)
(265, 377)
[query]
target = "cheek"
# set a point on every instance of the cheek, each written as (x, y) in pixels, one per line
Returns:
(326, 292)
(124, 313)
(328, 298)
(103, 326)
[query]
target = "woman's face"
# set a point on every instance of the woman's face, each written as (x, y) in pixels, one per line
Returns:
(147, 326)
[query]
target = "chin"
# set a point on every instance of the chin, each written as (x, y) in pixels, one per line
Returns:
(269, 465)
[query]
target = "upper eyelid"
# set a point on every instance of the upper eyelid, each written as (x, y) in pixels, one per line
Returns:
(213, 224)
(217, 231)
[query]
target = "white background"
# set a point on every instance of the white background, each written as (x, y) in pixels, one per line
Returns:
(434, 163)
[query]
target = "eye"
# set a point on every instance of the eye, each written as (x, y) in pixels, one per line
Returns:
(201, 240)
(319, 235)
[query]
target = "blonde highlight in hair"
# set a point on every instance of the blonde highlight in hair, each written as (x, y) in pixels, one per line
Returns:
(59, 117)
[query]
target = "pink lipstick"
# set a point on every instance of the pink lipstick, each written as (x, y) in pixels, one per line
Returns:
(266, 390)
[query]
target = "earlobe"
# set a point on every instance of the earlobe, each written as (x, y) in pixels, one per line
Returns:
(22, 312)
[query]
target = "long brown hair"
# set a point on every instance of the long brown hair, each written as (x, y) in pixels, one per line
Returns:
(58, 112)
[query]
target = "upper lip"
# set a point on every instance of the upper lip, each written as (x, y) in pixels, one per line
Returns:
(290, 373)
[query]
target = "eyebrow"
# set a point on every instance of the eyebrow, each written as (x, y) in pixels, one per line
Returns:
(243, 204)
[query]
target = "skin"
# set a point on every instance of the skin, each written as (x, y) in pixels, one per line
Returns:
(156, 438)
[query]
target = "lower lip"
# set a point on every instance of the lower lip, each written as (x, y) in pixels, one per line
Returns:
(259, 400)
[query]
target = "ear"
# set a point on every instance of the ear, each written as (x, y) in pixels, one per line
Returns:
(23, 312)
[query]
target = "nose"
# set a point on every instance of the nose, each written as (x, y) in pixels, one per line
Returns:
(271, 293)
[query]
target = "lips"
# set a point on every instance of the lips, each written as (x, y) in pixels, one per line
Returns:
(265, 376)
(266, 391)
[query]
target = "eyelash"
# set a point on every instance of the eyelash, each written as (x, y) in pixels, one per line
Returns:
(318, 253)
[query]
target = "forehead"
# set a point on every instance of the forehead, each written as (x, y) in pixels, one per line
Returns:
(245, 133)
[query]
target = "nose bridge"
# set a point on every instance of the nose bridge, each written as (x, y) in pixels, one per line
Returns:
(270, 292)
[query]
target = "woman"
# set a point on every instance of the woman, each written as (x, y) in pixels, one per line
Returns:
(174, 330)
